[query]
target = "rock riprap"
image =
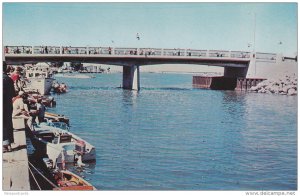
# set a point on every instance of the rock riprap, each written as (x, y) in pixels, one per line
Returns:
(285, 86)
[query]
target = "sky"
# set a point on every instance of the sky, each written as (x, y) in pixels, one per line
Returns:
(219, 26)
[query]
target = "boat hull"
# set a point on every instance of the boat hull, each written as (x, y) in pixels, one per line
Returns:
(67, 180)
(54, 152)
(46, 141)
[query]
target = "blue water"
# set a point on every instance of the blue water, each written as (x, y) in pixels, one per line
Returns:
(169, 136)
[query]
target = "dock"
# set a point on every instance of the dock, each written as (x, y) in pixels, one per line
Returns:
(15, 174)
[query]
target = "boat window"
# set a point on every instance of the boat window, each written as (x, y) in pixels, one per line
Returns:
(55, 140)
(47, 137)
(61, 125)
(65, 138)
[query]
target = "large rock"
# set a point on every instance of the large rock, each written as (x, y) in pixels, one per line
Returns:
(284, 86)
(292, 91)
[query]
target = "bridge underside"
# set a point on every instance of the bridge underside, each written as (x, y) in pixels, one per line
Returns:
(235, 72)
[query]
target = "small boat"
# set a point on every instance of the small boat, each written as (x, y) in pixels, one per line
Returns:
(48, 101)
(39, 79)
(60, 145)
(59, 88)
(56, 118)
(67, 180)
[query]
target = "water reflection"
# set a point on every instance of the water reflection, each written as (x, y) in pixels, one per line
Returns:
(234, 102)
(129, 97)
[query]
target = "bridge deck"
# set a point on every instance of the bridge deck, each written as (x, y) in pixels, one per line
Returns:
(126, 59)
(131, 56)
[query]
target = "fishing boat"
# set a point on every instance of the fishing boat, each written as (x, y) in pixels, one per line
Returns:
(56, 117)
(59, 88)
(60, 145)
(39, 79)
(48, 101)
(67, 180)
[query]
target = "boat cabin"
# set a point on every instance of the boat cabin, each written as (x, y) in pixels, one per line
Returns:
(38, 72)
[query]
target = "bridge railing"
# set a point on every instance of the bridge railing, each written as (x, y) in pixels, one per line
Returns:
(266, 57)
(18, 49)
(137, 51)
(62, 50)
(218, 53)
(97, 50)
(174, 52)
(196, 53)
(120, 51)
(240, 54)
(46, 50)
(125, 51)
(151, 51)
(73, 50)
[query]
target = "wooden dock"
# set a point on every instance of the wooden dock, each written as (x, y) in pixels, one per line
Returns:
(15, 174)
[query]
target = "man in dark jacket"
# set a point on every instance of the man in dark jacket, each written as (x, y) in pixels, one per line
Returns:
(8, 94)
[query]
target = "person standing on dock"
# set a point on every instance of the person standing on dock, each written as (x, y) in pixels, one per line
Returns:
(6, 50)
(41, 110)
(16, 74)
(8, 94)
(19, 107)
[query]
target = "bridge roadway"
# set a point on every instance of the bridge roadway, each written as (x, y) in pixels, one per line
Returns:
(235, 63)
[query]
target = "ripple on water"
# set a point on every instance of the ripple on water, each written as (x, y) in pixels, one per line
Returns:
(169, 136)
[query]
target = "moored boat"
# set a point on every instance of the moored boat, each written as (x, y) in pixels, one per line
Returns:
(59, 88)
(48, 101)
(67, 180)
(39, 79)
(57, 118)
(60, 145)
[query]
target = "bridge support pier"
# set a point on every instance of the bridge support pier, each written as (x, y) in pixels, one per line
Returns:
(131, 77)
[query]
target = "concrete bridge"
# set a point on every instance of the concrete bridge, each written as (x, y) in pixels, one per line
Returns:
(235, 63)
